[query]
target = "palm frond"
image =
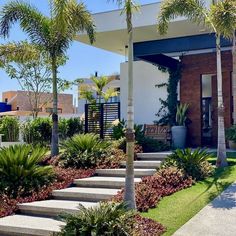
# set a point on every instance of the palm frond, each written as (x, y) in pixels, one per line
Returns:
(194, 10)
(223, 15)
(31, 21)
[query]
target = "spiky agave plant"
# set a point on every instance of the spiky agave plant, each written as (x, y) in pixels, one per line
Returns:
(105, 219)
(20, 170)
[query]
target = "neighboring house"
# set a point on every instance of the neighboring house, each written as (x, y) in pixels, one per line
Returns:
(21, 107)
(185, 42)
(114, 83)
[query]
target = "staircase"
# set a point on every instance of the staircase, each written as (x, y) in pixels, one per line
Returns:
(40, 218)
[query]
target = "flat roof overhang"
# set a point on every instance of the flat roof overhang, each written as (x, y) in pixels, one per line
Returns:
(112, 33)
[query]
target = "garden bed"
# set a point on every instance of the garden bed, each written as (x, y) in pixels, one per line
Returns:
(175, 210)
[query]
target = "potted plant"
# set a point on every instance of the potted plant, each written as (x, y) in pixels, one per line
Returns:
(231, 136)
(179, 131)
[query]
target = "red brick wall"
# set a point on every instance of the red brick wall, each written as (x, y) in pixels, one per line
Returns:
(190, 90)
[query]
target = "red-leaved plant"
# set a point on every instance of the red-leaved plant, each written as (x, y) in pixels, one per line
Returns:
(152, 188)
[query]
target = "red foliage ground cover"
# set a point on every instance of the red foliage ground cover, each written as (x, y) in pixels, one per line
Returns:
(64, 178)
(147, 227)
(152, 188)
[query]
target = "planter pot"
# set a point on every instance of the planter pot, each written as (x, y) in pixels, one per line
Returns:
(232, 145)
(179, 136)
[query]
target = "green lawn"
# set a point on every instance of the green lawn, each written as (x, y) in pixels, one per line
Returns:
(175, 210)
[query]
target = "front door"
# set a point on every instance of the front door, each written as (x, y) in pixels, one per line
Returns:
(207, 110)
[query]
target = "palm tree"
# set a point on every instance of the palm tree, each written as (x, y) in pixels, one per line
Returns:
(225, 20)
(98, 85)
(128, 8)
(54, 34)
(197, 12)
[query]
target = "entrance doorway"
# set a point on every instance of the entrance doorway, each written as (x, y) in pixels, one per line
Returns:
(207, 110)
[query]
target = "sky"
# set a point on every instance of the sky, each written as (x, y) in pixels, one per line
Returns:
(83, 60)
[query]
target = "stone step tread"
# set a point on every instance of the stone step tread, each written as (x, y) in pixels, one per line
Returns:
(29, 225)
(122, 171)
(103, 179)
(144, 162)
(85, 194)
(54, 206)
(154, 154)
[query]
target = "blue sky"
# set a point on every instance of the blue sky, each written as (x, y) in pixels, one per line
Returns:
(83, 60)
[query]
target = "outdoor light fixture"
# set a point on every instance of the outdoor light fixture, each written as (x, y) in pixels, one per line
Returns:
(126, 53)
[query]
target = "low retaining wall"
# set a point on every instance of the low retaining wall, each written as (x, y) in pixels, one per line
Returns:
(7, 144)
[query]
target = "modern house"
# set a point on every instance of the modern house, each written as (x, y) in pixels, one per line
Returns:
(17, 103)
(191, 45)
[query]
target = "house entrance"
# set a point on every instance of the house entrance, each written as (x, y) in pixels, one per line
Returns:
(207, 110)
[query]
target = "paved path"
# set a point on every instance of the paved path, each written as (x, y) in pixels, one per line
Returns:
(216, 219)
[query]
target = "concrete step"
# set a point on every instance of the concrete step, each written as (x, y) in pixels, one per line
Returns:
(153, 156)
(121, 172)
(144, 164)
(103, 182)
(52, 208)
(85, 194)
(22, 225)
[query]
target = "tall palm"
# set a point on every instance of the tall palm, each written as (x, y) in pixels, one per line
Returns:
(225, 20)
(98, 85)
(197, 12)
(54, 34)
(128, 8)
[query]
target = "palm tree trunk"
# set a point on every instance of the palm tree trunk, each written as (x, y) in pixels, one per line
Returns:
(221, 147)
(54, 144)
(130, 137)
(234, 77)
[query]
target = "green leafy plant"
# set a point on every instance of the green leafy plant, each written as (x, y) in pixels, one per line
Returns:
(181, 114)
(193, 162)
(20, 171)
(37, 131)
(104, 219)
(9, 127)
(231, 133)
(83, 150)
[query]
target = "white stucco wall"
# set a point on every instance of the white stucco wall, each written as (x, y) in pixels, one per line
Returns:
(146, 95)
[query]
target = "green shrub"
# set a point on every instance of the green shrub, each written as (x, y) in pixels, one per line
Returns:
(37, 131)
(74, 126)
(9, 126)
(119, 131)
(20, 171)
(153, 145)
(194, 163)
(70, 127)
(104, 219)
(83, 150)
(231, 133)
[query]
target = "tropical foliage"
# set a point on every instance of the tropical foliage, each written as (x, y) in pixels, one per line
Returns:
(193, 162)
(98, 87)
(53, 34)
(9, 127)
(20, 170)
(181, 114)
(83, 151)
(104, 219)
(231, 133)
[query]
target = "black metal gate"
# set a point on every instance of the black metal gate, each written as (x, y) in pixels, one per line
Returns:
(99, 118)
